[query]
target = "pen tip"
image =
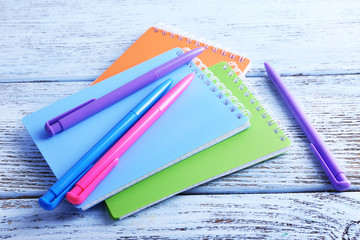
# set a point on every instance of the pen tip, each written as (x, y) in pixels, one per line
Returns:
(198, 50)
(266, 65)
(166, 84)
(190, 77)
(169, 81)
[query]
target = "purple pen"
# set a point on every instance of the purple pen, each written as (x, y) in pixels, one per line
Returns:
(93, 106)
(333, 171)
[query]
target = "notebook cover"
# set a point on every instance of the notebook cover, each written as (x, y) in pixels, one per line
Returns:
(156, 41)
(196, 120)
(263, 140)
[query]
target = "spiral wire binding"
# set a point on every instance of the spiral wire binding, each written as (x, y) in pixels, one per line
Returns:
(249, 92)
(164, 29)
(197, 65)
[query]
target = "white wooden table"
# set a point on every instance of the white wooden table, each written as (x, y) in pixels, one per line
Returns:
(51, 49)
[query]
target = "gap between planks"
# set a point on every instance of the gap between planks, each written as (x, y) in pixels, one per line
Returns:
(3, 196)
(93, 78)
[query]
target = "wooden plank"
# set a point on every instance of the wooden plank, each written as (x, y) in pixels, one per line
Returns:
(330, 101)
(79, 40)
(251, 216)
(59, 41)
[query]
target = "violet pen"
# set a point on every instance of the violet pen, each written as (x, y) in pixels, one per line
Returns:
(93, 106)
(327, 161)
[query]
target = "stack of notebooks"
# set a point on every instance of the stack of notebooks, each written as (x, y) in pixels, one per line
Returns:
(216, 127)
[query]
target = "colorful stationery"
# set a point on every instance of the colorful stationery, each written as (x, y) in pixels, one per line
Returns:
(57, 192)
(99, 171)
(162, 38)
(263, 140)
(327, 161)
(207, 115)
(90, 107)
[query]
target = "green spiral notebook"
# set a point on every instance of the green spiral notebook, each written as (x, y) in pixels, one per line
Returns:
(263, 140)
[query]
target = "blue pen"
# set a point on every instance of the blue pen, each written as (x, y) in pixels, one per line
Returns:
(57, 192)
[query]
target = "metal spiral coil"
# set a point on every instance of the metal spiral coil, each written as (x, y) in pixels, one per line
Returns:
(251, 93)
(197, 65)
(180, 35)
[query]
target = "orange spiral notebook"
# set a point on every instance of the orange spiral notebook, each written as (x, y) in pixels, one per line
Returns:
(157, 40)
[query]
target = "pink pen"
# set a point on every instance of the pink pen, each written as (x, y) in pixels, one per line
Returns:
(102, 168)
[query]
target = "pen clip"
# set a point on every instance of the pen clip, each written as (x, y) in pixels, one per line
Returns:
(342, 185)
(78, 195)
(50, 201)
(53, 126)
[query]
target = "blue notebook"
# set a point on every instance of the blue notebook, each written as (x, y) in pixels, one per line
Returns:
(201, 117)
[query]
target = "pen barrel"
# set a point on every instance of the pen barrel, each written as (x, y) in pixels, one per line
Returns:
(306, 125)
(108, 99)
(85, 110)
(133, 134)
